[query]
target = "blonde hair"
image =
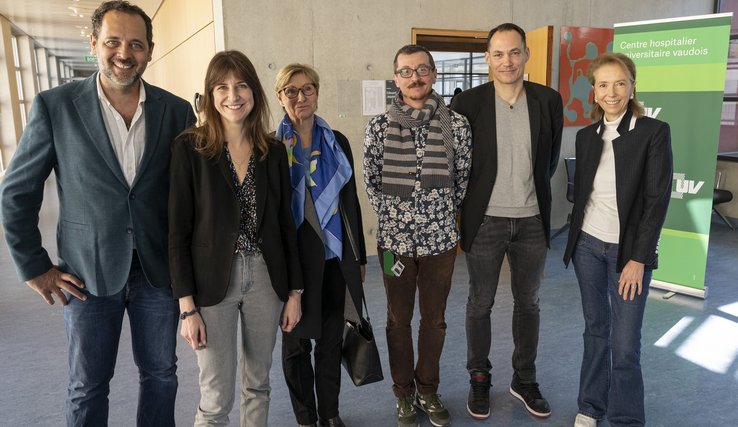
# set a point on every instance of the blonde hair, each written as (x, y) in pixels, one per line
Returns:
(285, 74)
(628, 66)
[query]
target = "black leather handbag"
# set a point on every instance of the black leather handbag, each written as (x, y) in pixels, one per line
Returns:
(359, 354)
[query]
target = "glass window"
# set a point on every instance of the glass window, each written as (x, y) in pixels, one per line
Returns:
(462, 70)
(18, 80)
(729, 128)
(724, 6)
(729, 119)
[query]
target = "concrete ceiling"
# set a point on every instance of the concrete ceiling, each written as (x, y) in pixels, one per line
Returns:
(61, 26)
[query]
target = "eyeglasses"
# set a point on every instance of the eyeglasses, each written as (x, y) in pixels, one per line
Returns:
(407, 72)
(291, 92)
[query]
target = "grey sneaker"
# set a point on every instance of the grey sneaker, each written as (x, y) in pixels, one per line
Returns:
(584, 421)
(406, 415)
(431, 404)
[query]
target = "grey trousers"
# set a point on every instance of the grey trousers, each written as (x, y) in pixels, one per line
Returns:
(252, 300)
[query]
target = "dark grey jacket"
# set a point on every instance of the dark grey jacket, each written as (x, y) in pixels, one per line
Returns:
(100, 215)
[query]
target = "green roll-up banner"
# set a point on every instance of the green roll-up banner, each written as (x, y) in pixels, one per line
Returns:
(680, 65)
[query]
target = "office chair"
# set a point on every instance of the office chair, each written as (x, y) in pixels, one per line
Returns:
(720, 196)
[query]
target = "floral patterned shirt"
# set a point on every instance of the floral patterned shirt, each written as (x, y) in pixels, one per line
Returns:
(425, 224)
(246, 194)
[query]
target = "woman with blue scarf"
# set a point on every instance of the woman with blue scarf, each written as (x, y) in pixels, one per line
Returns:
(330, 243)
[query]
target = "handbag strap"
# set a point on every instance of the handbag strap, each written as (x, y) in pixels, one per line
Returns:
(366, 309)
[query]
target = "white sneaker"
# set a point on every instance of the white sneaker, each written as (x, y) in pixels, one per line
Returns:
(584, 421)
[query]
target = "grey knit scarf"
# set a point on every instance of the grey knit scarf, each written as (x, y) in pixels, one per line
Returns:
(398, 170)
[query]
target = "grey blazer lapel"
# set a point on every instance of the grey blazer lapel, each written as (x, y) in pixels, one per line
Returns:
(90, 116)
(154, 109)
(311, 215)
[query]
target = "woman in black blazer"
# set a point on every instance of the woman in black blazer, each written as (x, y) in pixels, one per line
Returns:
(326, 212)
(621, 194)
(232, 242)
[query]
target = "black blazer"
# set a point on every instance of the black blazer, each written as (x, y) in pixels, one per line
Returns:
(204, 222)
(545, 112)
(643, 177)
(312, 254)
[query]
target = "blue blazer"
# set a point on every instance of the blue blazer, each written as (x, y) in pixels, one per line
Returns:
(101, 217)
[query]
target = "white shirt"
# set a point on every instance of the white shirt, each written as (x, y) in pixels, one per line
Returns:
(128, 143)
(601, 213)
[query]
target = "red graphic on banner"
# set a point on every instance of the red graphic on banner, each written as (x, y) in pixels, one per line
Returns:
(579, 46)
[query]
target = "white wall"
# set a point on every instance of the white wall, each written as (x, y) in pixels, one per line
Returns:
(184, 42)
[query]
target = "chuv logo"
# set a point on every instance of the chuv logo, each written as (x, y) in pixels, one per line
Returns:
(682, 186)
(651, 112)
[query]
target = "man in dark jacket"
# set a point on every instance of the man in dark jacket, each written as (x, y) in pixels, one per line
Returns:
(516, 129)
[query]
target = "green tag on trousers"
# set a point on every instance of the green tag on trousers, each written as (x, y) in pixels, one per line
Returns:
(388, 259)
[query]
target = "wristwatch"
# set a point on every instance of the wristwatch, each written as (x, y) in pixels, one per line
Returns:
(187, 314)
(298, 291)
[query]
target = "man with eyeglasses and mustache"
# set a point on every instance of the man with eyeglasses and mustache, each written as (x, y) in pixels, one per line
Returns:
(107, 139)
(507, 211)
(417, 158)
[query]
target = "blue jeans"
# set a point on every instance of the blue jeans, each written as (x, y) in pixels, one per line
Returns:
(611, 383)
(524, 242)
(93, 333)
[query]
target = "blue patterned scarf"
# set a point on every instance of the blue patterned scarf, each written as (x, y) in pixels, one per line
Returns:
(325, 170)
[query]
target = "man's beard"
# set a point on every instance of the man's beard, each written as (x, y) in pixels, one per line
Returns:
(119, 80)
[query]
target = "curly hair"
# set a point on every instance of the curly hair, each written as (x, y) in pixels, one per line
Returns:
(124, 7)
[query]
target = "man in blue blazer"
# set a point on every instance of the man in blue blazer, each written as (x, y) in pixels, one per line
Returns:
(516, 129)
(107, 139)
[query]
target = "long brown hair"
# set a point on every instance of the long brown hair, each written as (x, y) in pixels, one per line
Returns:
(209, 138)
(622, 61)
